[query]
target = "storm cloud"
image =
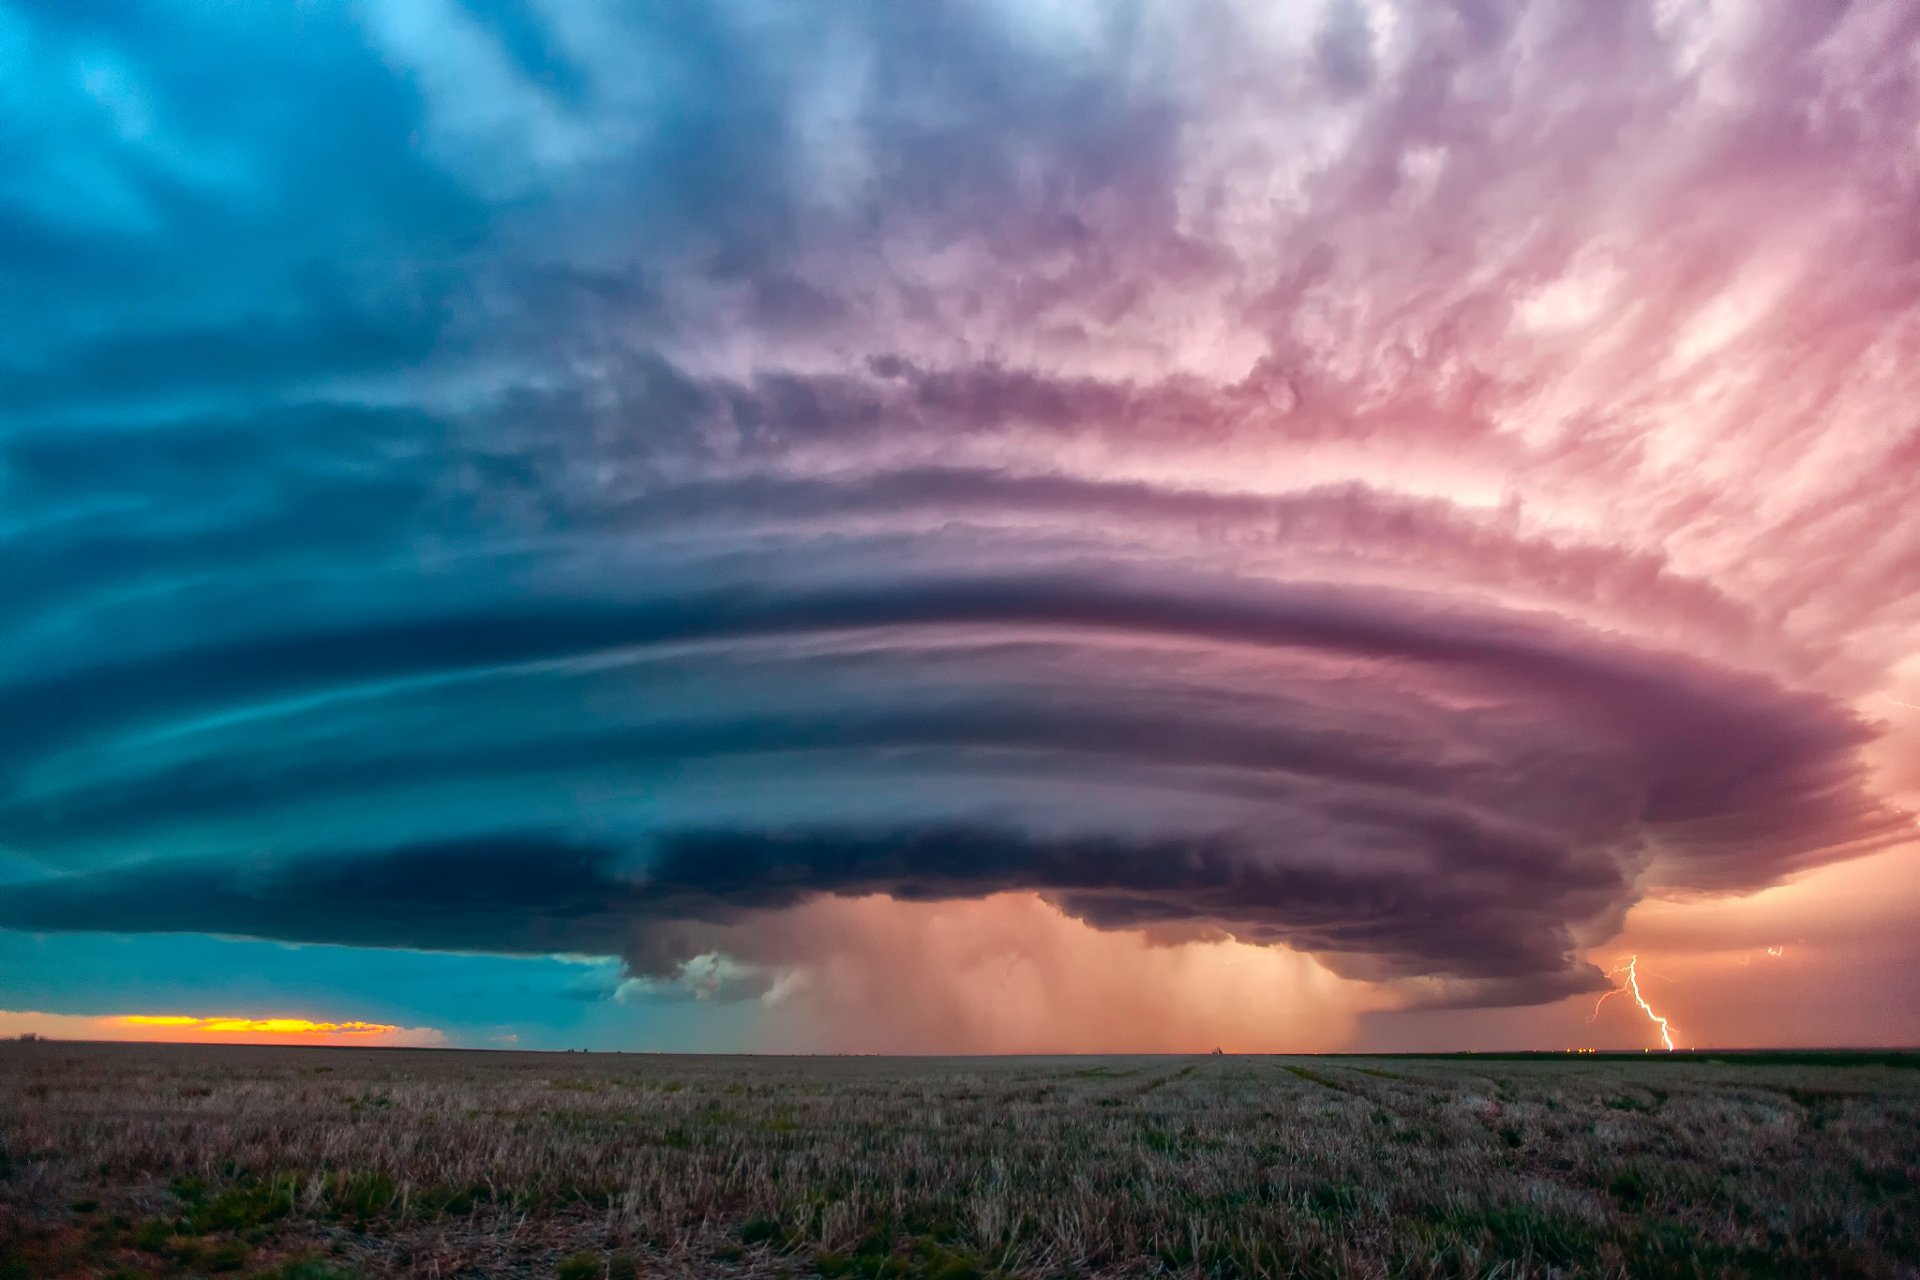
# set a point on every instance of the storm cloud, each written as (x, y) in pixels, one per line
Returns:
(560, 478)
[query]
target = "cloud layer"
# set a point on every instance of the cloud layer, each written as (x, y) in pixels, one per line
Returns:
(1395, 483)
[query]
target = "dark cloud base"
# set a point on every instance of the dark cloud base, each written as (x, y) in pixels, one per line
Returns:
(533, 895)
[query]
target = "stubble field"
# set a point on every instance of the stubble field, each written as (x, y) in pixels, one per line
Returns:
(325, 1164)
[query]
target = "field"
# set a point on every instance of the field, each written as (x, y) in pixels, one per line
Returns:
(324, 1164)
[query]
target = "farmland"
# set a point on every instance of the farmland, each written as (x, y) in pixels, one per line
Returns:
(326, 1164)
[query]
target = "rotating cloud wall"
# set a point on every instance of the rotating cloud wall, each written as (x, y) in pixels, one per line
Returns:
(1393, 484)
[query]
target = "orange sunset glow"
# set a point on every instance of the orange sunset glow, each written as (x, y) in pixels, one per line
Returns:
(176, 1028)
(254, 1026)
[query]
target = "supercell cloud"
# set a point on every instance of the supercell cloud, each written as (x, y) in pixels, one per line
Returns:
(1401, 483)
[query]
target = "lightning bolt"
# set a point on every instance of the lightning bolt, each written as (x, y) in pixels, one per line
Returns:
(1776, 951)
(1908, 705)
(1631, 986)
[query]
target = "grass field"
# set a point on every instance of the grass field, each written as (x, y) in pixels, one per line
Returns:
(308, 1164)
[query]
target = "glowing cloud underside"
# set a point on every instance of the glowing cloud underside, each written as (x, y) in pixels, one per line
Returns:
(1292, 476)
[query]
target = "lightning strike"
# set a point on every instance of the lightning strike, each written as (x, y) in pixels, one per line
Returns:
(1627, 974)
(1776, 951)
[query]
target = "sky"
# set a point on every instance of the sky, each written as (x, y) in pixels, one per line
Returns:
(980, 527)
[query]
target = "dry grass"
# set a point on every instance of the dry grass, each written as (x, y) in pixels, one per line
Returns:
(172, 1161)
